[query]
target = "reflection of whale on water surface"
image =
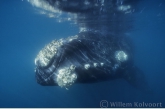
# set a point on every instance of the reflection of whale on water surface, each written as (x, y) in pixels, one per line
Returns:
(101, 51)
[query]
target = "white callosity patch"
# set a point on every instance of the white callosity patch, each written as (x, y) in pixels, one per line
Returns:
(71, 38)
(66, 76)
(82, 29)
(95, 64)
(101, 64)
(121, 56)
(47, 53)
(87, 66)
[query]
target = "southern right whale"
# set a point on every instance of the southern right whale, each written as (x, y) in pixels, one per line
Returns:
(101, 51)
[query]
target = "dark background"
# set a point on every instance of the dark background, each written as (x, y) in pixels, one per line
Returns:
(23, 32)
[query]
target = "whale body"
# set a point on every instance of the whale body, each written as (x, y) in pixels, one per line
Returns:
(99, 52)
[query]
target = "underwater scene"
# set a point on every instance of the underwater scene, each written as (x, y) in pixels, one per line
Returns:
(82, 54)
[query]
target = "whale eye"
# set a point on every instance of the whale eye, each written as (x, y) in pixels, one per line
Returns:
(121, 56)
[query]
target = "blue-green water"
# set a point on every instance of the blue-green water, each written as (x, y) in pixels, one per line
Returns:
(23, 32)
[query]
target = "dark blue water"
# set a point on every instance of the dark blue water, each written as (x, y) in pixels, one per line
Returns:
(23, 33)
